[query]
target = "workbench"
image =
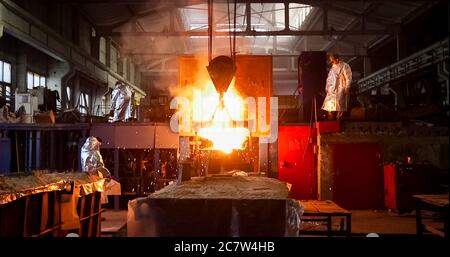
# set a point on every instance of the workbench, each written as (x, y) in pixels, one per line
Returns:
(437, 203)
(217, 206)
(324, 211)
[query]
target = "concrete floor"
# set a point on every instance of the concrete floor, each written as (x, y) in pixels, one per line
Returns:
(363, 222)
(114, 223)
(392, 224)
(382, 222)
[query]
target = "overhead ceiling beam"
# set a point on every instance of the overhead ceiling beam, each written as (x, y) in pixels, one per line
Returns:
(355, 21)
(366, 16)
(274, 55)
(254, 33)
(136, 24)
(131, 2)
(419, 11)
(193, 2)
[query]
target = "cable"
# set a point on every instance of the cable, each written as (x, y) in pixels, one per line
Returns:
(210, 21)
(234, 30)
(310, 127)
(229, 27)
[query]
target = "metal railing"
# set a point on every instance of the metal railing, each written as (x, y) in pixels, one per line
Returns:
(431, 55)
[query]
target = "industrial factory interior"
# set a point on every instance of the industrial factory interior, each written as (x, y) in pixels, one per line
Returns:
(224, 118)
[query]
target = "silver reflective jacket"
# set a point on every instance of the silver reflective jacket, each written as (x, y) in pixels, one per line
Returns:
(337, 88)
(91, 159)
(121, 101)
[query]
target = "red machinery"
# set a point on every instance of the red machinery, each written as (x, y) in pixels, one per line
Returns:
(297, 160)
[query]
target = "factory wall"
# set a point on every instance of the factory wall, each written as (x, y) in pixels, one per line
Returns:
(23, 58)
(8, 53)
(423, 145)
(56, 72)
(82, 54)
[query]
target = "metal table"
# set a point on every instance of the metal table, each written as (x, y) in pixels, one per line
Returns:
(432, 202)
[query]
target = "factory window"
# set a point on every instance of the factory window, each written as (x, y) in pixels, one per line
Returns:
(298, 14)
(5, 72)
(104, 107)
(102, 55)
(84, 103)
(35, 80)
(5, 93)
(5, 83)
(8, 93)
(69, 97)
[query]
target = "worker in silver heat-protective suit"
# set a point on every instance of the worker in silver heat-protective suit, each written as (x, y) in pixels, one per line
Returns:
(91, 159)
(337, 87)
(121, 102)
(92, 162)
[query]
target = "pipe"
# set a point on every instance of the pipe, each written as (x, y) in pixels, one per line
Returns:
(64, 84)
(396, 97)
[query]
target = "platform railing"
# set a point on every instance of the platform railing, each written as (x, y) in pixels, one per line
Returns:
(431, 55)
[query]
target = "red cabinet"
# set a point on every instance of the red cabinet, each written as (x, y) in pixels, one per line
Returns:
(297, 160)
(390, 186)
(358, 176)
(402, 181)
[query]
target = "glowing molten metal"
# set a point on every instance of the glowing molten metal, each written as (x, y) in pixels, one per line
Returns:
(219, 117)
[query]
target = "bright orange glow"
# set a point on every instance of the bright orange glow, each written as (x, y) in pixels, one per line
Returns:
(220, 119)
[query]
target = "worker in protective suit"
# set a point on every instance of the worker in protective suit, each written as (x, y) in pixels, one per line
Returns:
(337, 87)
(91, 159)
(121, 102)
(92, 162)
